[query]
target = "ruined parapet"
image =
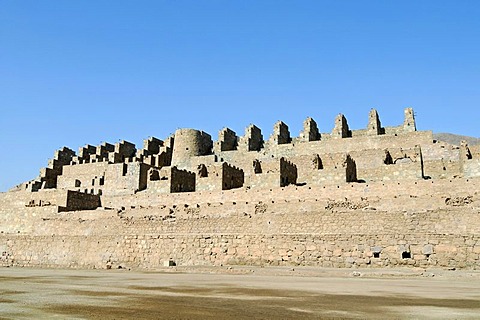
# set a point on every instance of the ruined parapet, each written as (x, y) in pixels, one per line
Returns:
(350, 169)
(63, 156)
(288, 173)
(310, 131)
(374, 125)
(33, 185)
(164, 159)
(280, 135)
(164, 156)
(85, 152)
(48, 176)
(124, 150)
(409, 122)
(151, 146)
(227, 140)
(169, 142)
(252, 140)
(341, 129)
(181, 180)
(103, 150)
(190, 143)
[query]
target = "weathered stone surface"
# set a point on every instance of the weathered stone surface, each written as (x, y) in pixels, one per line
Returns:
(382, 196)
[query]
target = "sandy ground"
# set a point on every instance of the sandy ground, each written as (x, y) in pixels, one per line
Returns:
(239, 293)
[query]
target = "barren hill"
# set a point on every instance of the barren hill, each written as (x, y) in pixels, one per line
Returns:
(455, 139)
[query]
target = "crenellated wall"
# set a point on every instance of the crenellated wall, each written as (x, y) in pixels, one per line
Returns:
(379, 196)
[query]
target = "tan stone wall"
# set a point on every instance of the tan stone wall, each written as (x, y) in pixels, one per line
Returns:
(331, 250)
(347, 225)
(181, 180)
(374, 197)
(80, 201)
(126, 178)
(83, 176)
(471, 168)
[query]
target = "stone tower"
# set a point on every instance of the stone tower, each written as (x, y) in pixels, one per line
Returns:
(341, 129)
(310, 131)
(190, 143)
(409, 123)
(374, 125)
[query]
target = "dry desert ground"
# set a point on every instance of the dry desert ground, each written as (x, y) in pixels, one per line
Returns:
(239, 293)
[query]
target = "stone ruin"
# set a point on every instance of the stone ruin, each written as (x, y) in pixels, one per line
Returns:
(325, 174)
(190, 160)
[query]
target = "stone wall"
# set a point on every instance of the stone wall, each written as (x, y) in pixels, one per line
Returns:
(80, 201)
(150, 251)
(367, 226)
(181, 180)
(84, 176)
(126, 178)
(380, 196)
(219, 176)
(471, 168)
(288, 173)
(227, 140)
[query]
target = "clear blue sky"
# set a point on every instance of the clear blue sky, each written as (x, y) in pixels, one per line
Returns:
(77, 72)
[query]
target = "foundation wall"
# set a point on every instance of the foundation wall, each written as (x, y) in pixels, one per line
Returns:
(379, 224)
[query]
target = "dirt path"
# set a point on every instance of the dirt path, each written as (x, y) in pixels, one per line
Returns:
(238, 293)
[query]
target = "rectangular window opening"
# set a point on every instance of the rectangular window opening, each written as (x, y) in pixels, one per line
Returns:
(406, 255)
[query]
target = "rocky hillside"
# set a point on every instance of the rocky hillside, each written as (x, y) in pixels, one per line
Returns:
(455, 139)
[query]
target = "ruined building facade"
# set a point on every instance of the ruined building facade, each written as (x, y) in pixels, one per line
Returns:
(379, 196)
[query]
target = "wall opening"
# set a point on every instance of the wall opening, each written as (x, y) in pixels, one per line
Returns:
(406, 255)
(202, 171)
(125, 169)
(257, 167)
(388, 158)
(154, 175)
(376, 254)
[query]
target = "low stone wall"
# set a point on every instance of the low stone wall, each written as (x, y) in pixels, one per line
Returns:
(80, 201)
(150, 251)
